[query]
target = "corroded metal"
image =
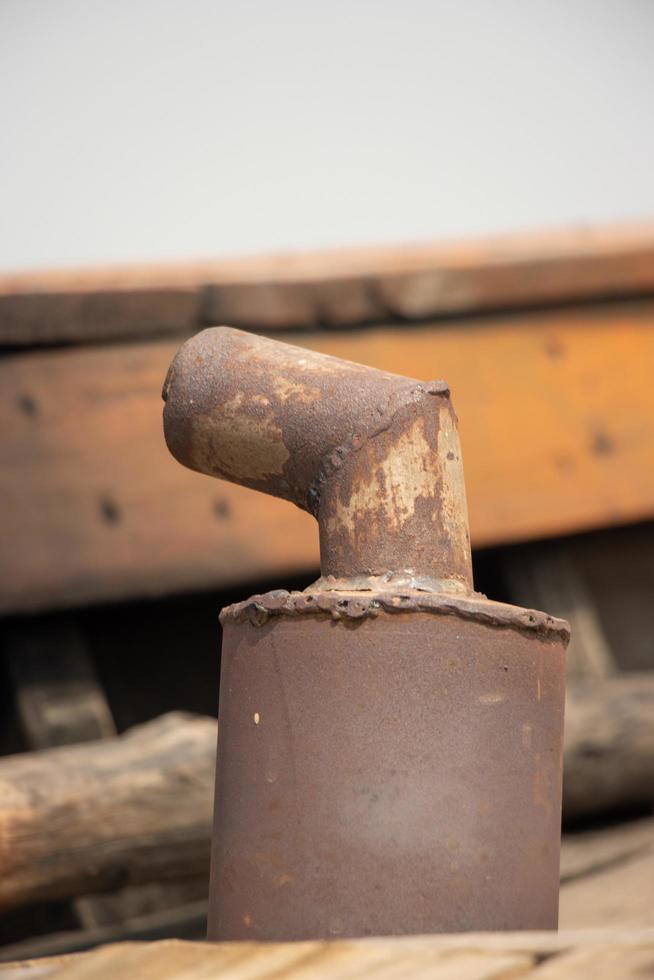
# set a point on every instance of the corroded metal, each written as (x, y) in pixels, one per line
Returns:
(349, 606)
(395, 774)
(374, 456)
(390, 745)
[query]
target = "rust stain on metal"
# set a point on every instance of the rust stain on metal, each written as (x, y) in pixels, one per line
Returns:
(356, 447)
(293, 391)
(384, 752)
(452, 486)
(250, 442)
(413, 728)
(398, 480)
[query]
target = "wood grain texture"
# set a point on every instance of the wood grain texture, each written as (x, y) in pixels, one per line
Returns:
(609, 745)
(605, 962)
(99, 816)
(508, 956)
(310, 960)
(59, 699)
(587, 852)
(335, 288)
(176, 921)
(94, 508)
(622, 895)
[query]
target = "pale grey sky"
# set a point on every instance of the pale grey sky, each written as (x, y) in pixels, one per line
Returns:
(160, 129)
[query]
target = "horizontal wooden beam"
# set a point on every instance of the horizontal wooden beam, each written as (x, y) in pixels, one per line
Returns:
(98, 816)
(334, 288)
(609, 745)
(557, 429)
(604, 952)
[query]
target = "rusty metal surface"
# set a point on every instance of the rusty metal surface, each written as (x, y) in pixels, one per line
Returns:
(374, 456)
(351, 606)
(397, 774)
(390, 745)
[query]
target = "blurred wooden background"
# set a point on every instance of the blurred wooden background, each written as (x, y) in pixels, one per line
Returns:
(546, 343)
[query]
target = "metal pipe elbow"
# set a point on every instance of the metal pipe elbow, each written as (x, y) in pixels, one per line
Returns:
(374, 456)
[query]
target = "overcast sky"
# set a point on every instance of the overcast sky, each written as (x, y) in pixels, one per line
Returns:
(160, 129)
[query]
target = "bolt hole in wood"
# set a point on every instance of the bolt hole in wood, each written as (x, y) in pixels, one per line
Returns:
(555, 349)
(27, 405)
(110, 512)
(221, 509)
(602, 444)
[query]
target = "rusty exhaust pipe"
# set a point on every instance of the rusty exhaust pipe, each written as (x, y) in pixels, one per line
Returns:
(390, 747)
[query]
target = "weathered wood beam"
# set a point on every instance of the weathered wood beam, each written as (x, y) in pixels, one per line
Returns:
(95, 508)
(59, 699)
(187, 921)
(609, 745)
(603, 954)
(344, 287)
(98, 816)
(621, 895)
(585, 853)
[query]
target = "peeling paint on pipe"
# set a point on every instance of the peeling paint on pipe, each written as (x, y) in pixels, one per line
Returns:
(374, 456)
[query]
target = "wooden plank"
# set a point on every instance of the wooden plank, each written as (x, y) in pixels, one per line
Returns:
(94, 508)
(187, 921)
(31, 969)
(119, 910)
(101, 815)
(618, 896)
(341, 287)
(306, 960)
(585, 853)
(609, 745)
(59, 699)
(471, 956)
(58, 695)
(602, 963)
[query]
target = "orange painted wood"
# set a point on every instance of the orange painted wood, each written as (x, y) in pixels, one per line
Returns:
(333, 288)
(557, 429)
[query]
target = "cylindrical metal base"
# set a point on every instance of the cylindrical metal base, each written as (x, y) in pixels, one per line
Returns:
(396, 774)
